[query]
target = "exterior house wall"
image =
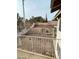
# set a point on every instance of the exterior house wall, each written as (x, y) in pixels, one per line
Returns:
(58, 41)
(58, 31)
(41, 30)
(57, 49)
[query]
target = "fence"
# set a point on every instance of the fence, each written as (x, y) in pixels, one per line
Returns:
(41, 45)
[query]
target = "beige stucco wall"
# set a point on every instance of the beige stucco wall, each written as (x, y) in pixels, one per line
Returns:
(40, 30)
(58, 40)
(58, 32)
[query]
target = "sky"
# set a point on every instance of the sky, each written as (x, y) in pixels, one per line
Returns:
(35, 8)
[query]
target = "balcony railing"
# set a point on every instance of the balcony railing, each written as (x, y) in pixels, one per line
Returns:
(41, 45)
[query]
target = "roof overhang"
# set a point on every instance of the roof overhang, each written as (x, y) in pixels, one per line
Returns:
(55, 5)
(58, 15)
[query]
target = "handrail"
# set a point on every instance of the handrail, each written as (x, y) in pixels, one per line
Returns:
(36, 36)
(35, 53)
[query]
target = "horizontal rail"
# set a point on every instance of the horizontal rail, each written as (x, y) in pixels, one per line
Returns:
(25, 51)
(36, 37)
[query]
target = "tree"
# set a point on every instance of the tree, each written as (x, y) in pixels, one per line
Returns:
(20, 24)
(37, 19)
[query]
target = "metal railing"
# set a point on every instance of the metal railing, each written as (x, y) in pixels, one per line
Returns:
(41, 45)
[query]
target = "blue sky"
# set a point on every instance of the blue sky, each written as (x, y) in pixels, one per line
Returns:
(35, 8)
